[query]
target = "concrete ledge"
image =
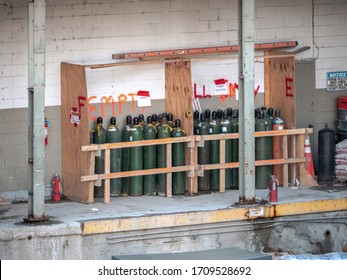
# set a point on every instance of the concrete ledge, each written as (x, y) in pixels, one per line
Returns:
(214, 216)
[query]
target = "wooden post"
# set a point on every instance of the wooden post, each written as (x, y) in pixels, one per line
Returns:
(192, 179)
(107, 181)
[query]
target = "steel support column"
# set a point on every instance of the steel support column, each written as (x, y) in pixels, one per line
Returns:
(246, 101)
(36, 107)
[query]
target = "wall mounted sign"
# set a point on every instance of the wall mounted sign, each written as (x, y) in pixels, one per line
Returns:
(337, 81)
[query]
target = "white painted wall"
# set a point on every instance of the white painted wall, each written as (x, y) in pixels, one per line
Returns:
(90, 31)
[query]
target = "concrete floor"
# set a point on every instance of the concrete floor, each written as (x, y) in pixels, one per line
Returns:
(72, 213)
(130, 214)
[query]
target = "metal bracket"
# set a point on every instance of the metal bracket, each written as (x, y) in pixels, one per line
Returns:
(191, 144)
(190, 173)
(201, 143)
(201, 170)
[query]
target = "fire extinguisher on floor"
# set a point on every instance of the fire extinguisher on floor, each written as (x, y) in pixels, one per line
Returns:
(56, 187)
(273, 189)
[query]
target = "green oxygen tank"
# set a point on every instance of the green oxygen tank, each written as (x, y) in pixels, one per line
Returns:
(178, 159)
(91, 136)
(204, 154)
(214, 128)
(164, 131)
(226, 128)
(160, 118)
(170, 121)
(268, 119)
(235, 149)
(257, 113)
(196, 120)
(114, 136)
(270, 113)
(277, 124)
(155, 119)
(125, 154)
(141, 119)
(219, 115)
(263, 150)
(149, 158)
(207, 115)
(136, 159)
(99, 137)
(230, 113)
(164, 115)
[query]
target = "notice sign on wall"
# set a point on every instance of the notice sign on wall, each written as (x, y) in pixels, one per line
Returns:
(143, 98)
(337, 81)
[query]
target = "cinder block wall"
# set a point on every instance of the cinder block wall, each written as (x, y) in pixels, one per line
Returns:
(91, 32)
(14, 151)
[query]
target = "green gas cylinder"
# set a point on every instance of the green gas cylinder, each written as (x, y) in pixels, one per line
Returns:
(204, 154)
(207, 115)
(170, 121)
(226, 128)
(99, 137)
(91, 136)
(136, 159)
(155, 119)
(277, 147)
(268, 119)
(164, 115)
(149, 158)
(230, 113)
(125, 154)
(214, 128)
(160, 118)
(235, 149)
(141, 119)
(196, 120)
(114, 136)
(263, 150)
(270, 113)
(178, 159)
(164, 131)
(219, 115)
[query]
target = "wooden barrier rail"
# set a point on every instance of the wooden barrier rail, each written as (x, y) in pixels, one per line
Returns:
(192, 168)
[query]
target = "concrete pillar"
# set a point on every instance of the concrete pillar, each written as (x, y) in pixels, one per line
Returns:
(36, 103)
(246, 102)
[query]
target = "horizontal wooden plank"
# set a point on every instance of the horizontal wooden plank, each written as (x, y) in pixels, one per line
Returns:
(95, 147)
(186, 168)
(196, 138)
(284, 132)
(135, 173)
(257, 163)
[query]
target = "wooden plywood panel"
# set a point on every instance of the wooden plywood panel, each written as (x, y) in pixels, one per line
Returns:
(178, 92)
(75, 163)
(178, 100)
(279, 77)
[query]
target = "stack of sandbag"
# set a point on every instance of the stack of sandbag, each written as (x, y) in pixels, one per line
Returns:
(341, 161)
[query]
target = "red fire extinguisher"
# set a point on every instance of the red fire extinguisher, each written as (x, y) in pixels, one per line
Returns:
(273, 189)
(56, 187)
